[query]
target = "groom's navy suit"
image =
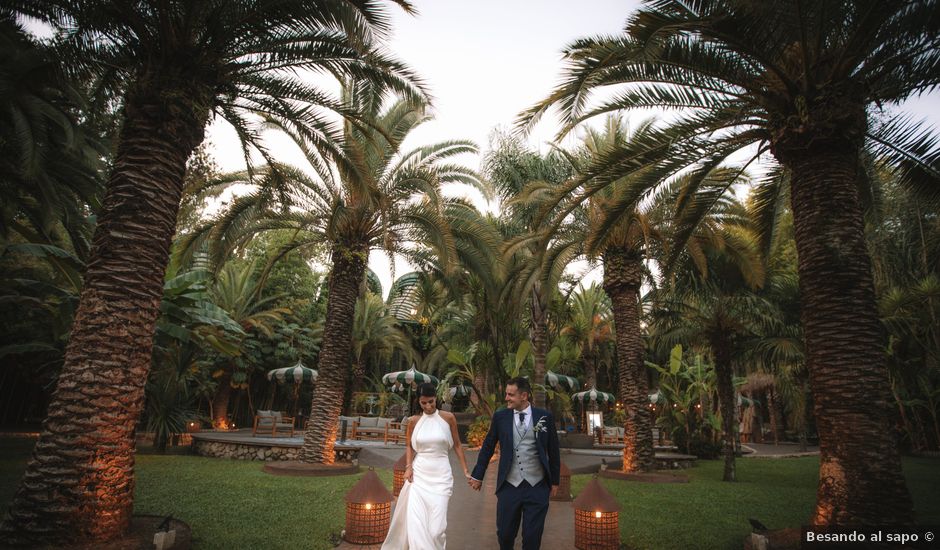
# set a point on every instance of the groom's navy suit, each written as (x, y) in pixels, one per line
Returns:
(525, 502)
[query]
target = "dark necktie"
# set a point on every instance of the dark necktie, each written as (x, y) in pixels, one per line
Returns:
(522, 419)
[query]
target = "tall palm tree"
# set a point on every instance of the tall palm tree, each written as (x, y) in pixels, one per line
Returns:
(796, 80)
(367, 193)
(510, 168)
(716, 310)
(621, 244)
(172, 65)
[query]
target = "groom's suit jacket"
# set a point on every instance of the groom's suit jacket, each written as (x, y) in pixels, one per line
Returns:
(501, 427)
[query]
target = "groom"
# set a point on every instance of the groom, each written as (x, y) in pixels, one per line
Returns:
(529, 466)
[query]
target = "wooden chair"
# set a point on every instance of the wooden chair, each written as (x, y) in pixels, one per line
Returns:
(271, 422)
(396, 432)
(370, 427)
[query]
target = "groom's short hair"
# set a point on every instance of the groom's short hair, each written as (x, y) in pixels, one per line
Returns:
(522, 384)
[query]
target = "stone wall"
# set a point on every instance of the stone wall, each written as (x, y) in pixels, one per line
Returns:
(221, 449)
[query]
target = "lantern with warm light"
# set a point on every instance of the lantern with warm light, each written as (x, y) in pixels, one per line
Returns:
(368, 511)
(564, 485)
(596, 519)
(399, 473)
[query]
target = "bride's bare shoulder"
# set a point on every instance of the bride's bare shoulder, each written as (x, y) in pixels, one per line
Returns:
(448, 416)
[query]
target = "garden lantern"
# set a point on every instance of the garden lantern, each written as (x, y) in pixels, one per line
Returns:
(368, 511)
(596, 519)
(399, 472)
(564, 484)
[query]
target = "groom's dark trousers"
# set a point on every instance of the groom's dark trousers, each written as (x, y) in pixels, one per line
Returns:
(523, 504)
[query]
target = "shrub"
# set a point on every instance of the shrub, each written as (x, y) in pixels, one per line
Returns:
(703, 447)
(477, 431)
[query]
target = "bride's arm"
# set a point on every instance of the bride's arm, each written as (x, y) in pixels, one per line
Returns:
(409, 452)
(452, 422)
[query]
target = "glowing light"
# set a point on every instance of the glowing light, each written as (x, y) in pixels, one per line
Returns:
(597, 514)
(368, 506)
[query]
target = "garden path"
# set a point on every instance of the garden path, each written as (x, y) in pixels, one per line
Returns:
(471, 516)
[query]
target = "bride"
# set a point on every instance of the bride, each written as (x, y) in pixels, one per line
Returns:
(420, 518)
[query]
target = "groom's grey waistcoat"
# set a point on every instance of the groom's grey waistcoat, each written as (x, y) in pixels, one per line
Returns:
(525, 461)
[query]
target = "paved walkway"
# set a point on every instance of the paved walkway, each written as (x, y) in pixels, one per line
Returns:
(781, 450)
(471, 515)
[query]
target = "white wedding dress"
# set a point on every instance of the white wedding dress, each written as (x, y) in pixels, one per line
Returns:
(420, 518)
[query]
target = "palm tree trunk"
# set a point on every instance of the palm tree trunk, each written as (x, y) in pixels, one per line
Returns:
(539, 345)
(590, 368)
(223, 394)
(860, 480)
(776, 413)
(79, 483)
(349, 264)
(478, 399)
(622, 277)
(724, 373)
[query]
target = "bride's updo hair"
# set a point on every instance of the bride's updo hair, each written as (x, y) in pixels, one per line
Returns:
(427, 390)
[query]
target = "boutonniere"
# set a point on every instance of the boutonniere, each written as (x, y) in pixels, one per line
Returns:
(540, 425)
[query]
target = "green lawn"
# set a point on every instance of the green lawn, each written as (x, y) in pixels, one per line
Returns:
(708, 513)
(232, 504)
(227, 503)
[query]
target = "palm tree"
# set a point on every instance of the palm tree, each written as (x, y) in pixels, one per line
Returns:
(172, 66)
(797, 81)
(621, 244)
(375, 336)
(367, 194)
(510, 168)
(716, 310)
(237, 291)
(462, 316)
(49, 161)
(904, 236)
(590, 328)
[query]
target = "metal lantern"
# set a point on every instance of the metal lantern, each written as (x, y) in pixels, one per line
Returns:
(596, 519)
(564, 485)
(368, 511)
(399, 471)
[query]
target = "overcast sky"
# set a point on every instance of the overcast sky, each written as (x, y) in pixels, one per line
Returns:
(487, 60)
(484, 62)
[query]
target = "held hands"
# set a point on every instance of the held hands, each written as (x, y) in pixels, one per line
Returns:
(475, 484)
(554, 491)
(466, 473)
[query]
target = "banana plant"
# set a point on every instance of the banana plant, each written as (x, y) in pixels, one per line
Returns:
(467, 373)
(683, 386)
